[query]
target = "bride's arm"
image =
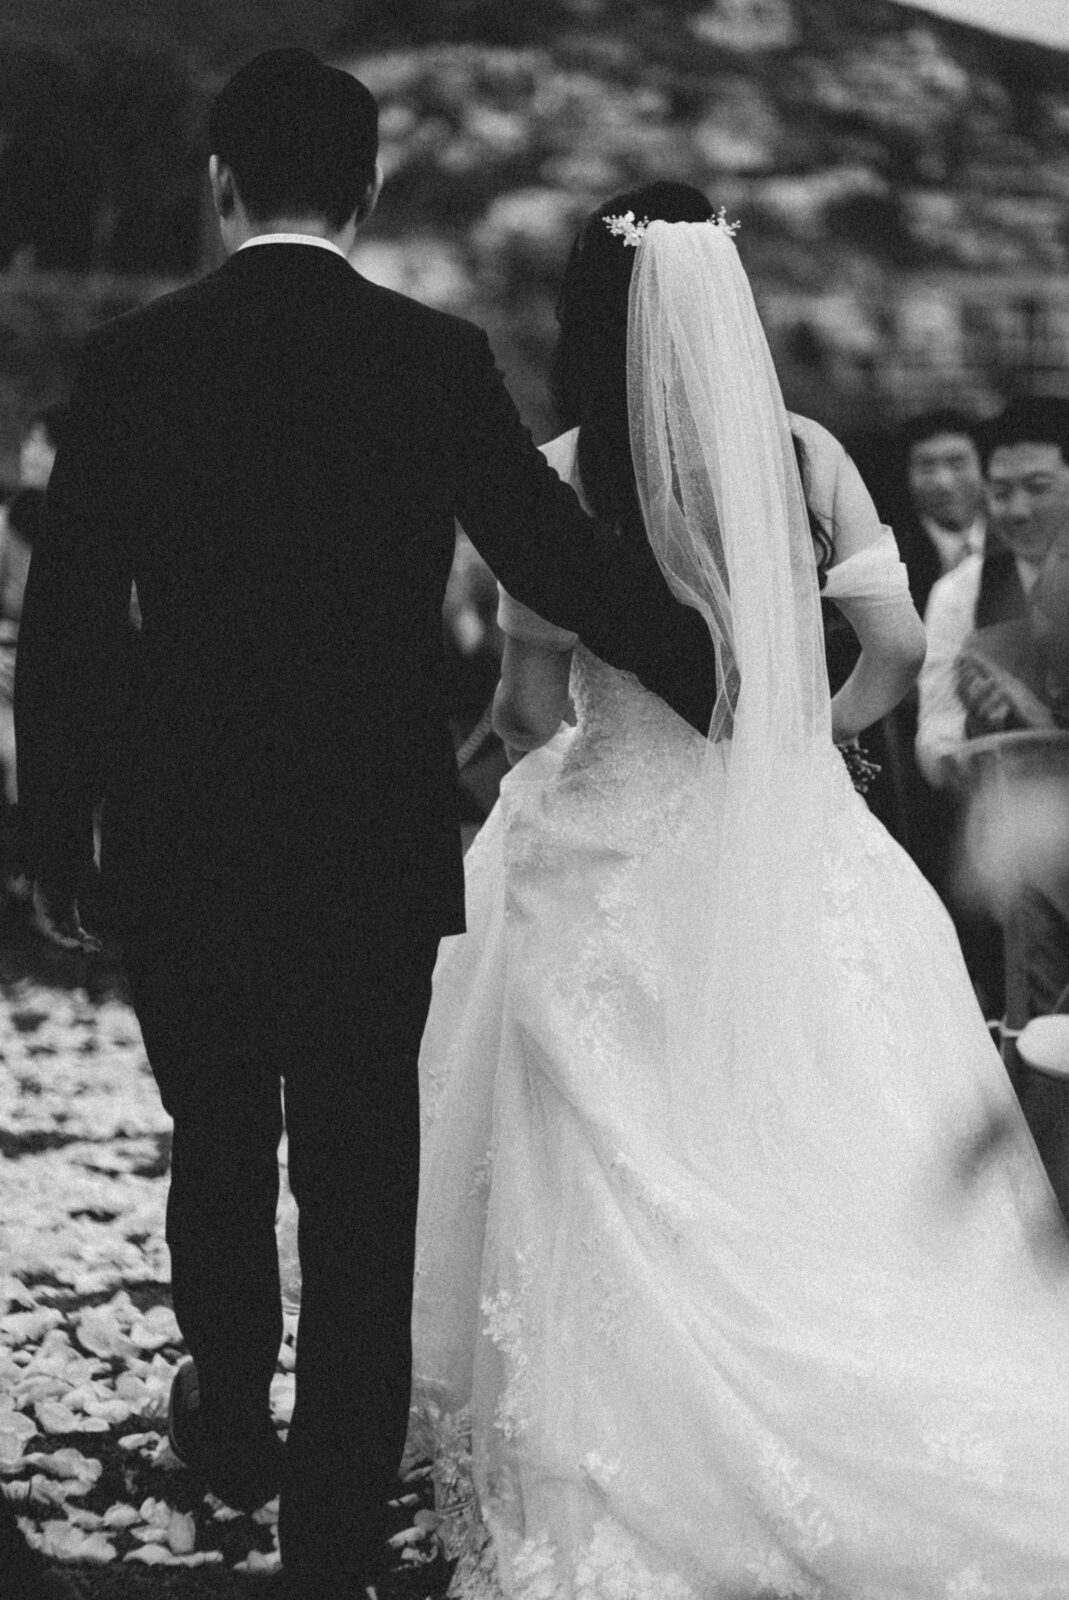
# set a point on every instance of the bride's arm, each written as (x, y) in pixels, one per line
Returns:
(885, 621)
(531, 700)
(891, 636)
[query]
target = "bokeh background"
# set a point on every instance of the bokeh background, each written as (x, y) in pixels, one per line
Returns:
(902, 178)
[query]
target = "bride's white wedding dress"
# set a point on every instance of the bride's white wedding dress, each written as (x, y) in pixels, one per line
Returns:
(804, 1333)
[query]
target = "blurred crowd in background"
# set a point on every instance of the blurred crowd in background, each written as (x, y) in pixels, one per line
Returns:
(901, 183)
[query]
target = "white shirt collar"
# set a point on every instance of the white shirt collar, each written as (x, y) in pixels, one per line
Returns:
(293, 238)
(954, 547)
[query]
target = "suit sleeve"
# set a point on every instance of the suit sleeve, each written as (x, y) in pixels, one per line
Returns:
(72, 635)
(573, 571)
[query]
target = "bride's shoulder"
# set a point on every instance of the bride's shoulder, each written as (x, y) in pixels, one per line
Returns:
(819, 443)
(826, 465)
(560, 453)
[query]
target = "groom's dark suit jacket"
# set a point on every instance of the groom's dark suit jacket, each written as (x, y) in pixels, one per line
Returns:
(276, 456)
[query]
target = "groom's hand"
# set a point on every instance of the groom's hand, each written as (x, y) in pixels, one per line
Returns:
(56, 911)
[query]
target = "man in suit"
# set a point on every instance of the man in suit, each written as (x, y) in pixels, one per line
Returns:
(945, 518)
(281, 845)
(936, 506)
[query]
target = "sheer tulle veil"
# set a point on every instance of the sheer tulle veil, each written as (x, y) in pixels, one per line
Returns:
(725, 514)
(718, 481)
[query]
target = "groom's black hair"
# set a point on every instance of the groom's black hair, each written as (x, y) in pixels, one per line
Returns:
(300, 138)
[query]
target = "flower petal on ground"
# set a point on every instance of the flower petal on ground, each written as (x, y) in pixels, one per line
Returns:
(64, 1542)
(181, 1533)
(121, 1515)
(153, 1555)
(55, 1417)
(98, 1330)
(258, 1561)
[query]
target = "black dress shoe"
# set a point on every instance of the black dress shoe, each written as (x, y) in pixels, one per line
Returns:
(245, 1478)
(185, 1426)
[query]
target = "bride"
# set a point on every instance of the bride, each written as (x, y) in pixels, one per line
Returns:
(737, 1274)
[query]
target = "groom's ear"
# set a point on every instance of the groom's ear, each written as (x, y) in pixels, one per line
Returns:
(370, 198)
(223, 190)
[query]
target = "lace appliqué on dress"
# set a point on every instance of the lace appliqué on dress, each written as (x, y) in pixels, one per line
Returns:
(611, 1568)
(789, 1496)
(972, 1456)
(849, 926)
(607, 1291)
(506, 1325)
(607, 1566)
(444, 1437)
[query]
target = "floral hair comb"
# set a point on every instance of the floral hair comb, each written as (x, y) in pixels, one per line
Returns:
(630, 231)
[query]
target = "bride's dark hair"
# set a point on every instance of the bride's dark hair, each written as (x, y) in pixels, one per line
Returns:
(588, 374)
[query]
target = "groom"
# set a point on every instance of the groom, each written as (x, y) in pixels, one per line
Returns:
(276, 456)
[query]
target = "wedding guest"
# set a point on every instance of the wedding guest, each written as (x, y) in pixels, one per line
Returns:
(945, 518)
(1024, 452)
(937, 511)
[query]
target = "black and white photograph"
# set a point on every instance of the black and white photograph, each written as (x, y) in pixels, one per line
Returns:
(534, 830)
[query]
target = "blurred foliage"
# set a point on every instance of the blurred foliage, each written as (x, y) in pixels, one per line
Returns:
(902, 180)
(216, 35)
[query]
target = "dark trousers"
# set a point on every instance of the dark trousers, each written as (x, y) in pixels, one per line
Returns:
(246, 1006)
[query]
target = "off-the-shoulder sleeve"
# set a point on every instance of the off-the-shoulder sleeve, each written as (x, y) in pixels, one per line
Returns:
(519, 621)
(875, 573)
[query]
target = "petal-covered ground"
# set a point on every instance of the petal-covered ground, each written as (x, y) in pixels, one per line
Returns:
(88, 1341)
